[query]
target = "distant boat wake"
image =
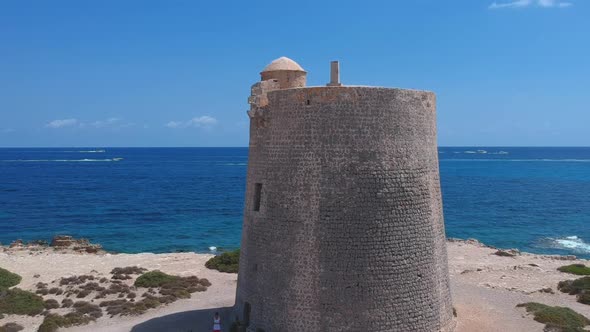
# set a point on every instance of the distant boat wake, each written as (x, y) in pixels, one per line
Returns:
(91, 151)
(520, 160)
(61, 160)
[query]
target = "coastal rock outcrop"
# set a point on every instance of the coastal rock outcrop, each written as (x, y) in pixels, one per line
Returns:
(63, 243)
(17, 244)
(79, 245)
(507, 253)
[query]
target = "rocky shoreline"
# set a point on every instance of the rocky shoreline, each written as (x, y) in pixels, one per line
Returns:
(59, 243)
(509, 252)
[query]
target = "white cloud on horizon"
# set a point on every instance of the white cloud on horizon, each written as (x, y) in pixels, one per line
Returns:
(529, 3)
(112, 123)
(62, 123)
(105, 123)
(196, 122)
(553, 3)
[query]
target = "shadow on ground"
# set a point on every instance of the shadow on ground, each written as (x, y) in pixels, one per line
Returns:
(188, 321)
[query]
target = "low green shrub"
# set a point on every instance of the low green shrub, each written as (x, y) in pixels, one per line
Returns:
(16, 301)
(154, 279)
(584, 298)
(557, 318)
(53, 322)
(579, 287)
(51, 304)
(171, 288)
(86, 308)
(227, 262)
(129, 270)
(8, 279)
(578, 269)
(66, 303)
(125, 308)
(574, 287)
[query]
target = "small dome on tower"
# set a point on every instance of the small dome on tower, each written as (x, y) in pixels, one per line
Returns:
(286, 72)
(283, 63)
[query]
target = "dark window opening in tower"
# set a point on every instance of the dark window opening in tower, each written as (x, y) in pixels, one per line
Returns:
(308, 102)
(247, 314)
(257, 194)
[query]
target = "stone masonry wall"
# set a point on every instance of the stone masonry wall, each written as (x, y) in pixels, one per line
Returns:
(349, 235)
(286, 78)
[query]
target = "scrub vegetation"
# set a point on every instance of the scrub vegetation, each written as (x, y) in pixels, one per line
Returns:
(8, 279)
(226, 262)
(558, 319)
(577, 269)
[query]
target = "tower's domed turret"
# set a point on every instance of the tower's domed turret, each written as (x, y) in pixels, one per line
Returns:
(287, 72)
(283, 63)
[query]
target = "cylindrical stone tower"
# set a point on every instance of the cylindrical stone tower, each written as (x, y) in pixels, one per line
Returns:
(343, 223)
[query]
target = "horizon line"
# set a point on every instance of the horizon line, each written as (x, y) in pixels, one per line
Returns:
(236, 147)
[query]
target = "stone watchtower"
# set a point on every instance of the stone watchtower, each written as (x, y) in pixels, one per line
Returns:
(343, 223)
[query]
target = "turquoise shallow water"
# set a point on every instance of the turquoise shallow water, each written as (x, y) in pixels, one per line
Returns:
(190, 199)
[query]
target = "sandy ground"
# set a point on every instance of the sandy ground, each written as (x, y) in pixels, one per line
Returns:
(486, 288)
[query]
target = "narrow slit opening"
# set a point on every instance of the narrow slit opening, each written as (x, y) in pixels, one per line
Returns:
(257, 194)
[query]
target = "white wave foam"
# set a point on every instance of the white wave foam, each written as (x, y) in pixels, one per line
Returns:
(574, 243)
(470, 152)
(212, 249)
(235, 164)
(570, 243)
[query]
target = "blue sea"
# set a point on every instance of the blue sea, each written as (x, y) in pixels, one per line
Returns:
(190, 199)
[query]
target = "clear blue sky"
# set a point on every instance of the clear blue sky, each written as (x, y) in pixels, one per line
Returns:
(178, 73)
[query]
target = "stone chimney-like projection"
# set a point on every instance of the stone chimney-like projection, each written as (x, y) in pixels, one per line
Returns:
(343, 220)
